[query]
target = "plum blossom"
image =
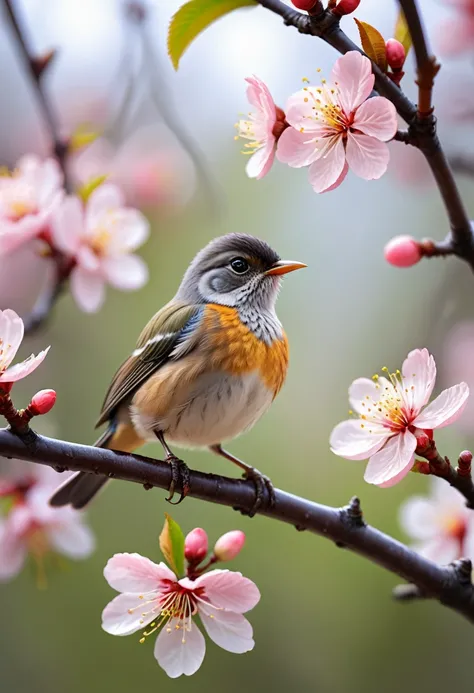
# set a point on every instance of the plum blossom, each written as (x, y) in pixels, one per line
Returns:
(336, 126)
(28, 197)
(262, 129)
(151, 595)
(11, 336)
(99, 238)
(389, 412)
(457, 34)
(33, 527)
(150, 167)
(441, 524)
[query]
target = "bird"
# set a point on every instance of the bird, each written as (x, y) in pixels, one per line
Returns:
(205, 368)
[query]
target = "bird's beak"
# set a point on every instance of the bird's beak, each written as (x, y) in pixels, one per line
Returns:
(284, 266)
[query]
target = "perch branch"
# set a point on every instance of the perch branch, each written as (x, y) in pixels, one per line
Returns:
(345, 526)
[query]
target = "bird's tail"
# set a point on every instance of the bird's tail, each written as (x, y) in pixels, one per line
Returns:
(82, 487)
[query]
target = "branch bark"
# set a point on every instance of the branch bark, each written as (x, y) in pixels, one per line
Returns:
(421, 122)
(345, 526)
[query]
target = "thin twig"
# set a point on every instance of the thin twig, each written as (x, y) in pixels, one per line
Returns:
(345, 526)
(36, 68)
(421, 122)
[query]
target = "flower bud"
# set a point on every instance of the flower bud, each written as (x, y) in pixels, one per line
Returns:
(465, 457)
(305, 5)
(395, 53)
(423, 440)
(195, 545)
(229, 545)
(403, 251)
(343, 7)
(42, 402)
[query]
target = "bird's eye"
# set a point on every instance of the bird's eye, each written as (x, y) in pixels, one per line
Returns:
(239, 265)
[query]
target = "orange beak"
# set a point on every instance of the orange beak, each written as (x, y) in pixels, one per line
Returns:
(284, 266)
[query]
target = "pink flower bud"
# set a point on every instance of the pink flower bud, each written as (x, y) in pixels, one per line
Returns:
(345, 7)
(465, 457)
(195, 545)
(395, 53)
(42, 402)
(229, 545)
(305, 5)
(403, 251)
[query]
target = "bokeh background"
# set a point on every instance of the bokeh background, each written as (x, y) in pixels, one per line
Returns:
(326, 621)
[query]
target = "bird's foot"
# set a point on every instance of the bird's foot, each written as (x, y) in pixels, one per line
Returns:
(261, 483)
(179, 476)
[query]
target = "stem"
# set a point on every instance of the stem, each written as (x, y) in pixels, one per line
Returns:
(422, 124)
(344, 526)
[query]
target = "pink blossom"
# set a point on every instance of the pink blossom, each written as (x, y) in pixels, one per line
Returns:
(441, 525)
(149, 167)
(336, 126)
(33, 527)
(229, 545)
(457, 34)
(151, 595)
(100, 239)
(28, 198)
(260, 127)
(390, 411)
(11, 336)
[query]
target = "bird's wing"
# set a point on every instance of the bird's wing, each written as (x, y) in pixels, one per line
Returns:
(171, 333)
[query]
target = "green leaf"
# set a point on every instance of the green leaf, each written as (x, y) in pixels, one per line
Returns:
(192, 18)
(373, 44)
(402, 33)
(172, 545)
(86, 190)
(82, 137)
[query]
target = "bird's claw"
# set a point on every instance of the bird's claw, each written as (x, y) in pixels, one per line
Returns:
(261, 482)
(179, 473)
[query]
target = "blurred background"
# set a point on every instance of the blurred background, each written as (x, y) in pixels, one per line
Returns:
(326, 620)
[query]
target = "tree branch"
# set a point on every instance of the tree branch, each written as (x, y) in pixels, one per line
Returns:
(422, 124)
(345, 526)
(36, 68)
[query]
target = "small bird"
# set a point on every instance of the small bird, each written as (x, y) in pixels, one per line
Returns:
(205, 368)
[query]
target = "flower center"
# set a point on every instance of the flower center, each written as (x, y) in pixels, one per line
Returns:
(174, 603)
(100, 241)
(17, 199)
(326, 108)
(4, 351)
(455, 527)
(390, 409)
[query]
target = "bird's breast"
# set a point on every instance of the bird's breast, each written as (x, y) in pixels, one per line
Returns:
(235, 349)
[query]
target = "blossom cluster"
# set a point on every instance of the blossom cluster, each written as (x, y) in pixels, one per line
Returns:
(330, 128)
(95, 233)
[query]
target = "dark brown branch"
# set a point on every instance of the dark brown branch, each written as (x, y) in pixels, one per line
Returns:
(37, 67)
(459, 478)
(344, 526)
(422, 124)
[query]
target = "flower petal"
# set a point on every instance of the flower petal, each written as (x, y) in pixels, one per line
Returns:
(72, 538)
(87, 259)
(67, 225)
(179, 651)
(445, 409)
(106, 198)
(11, 336)
(442, 549)
(49, 181)
(12, 552)
(300, 114)
(390, 464)
(226, 589)
(468, 547)
(129, 230)
(88, 289)
(125, 272)
(21, 370)
(353, 76)
(260, 97)
(361, 392)
(418, 378)
(376, 117)
(296, 148)
(328, 166)
(339, 180)
(124, 614)
(348, 439)
(367, 157)
(418, 518)
(261, 161)
(130, 572)
(227, 629)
